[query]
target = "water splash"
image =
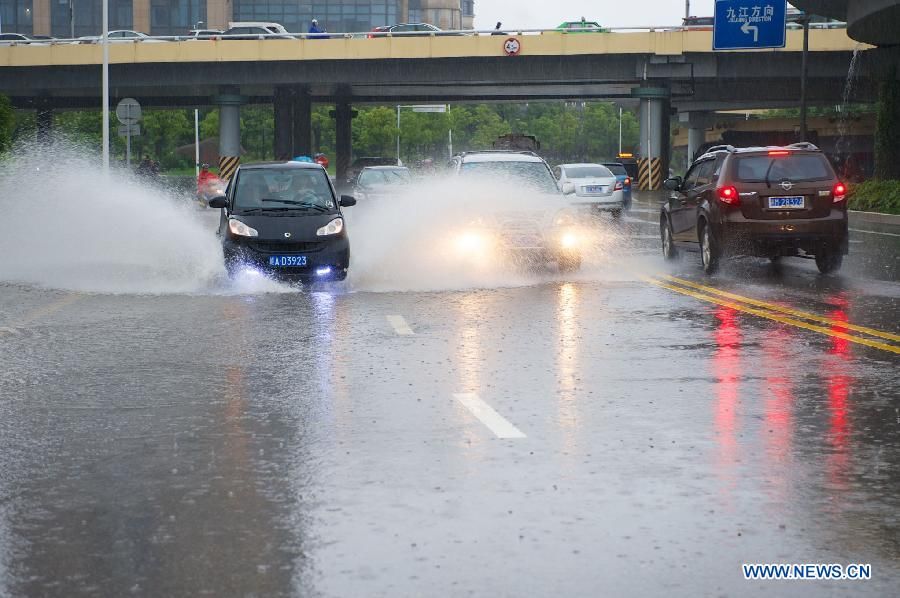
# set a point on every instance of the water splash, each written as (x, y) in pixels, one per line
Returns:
(68, 225)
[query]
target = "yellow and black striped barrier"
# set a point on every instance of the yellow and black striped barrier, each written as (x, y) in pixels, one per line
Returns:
(227, 166)
(649, 174)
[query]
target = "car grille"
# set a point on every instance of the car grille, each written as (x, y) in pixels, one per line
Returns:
(279, 247)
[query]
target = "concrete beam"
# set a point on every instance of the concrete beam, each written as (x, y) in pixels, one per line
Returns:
(284, 123)
(343, 115)
(302, 126)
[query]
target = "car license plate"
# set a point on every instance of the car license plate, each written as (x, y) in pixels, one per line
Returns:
(594, 189)
(287, 260)
(794, 202)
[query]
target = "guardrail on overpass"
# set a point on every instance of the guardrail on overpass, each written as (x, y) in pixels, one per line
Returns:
(663, 42)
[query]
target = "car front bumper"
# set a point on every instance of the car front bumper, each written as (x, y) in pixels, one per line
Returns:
(326, 258)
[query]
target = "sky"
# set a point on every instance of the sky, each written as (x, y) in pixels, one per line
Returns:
(547, 14)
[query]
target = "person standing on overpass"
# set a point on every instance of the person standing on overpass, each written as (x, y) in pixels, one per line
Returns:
(314, 27)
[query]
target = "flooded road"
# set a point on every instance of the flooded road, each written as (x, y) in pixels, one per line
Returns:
(634, 429)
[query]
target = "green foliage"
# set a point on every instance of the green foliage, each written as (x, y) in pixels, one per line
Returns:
(876, 196)
(7, 123)
(887, 130)
(375, 132)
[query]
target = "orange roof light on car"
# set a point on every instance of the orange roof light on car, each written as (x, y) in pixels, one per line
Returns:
(779, 152)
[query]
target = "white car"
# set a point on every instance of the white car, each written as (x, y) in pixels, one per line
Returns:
(593, 185)
(118, 36)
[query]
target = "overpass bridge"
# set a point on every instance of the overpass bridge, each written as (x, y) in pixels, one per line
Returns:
(664, 69)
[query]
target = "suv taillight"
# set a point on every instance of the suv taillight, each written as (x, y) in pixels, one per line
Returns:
(728, 195)
(839, 192)
(619, 186)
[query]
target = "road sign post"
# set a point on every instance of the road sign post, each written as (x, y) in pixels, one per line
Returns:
(749, 24)
(128, 111)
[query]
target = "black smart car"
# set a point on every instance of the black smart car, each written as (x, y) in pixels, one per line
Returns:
(284, 218)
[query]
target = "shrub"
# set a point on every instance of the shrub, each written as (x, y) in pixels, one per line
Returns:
(876, 196)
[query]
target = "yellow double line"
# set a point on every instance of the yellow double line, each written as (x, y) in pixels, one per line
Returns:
(779, 313)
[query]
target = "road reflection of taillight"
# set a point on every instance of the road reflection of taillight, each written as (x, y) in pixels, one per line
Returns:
(839, 192)
(728, 195)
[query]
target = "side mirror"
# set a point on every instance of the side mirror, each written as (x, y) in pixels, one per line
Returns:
(568, 188)
(673, 184)
(347, 201)
(218, 201)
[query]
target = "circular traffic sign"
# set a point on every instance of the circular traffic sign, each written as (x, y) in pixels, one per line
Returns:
(128, 111)
(512, 46)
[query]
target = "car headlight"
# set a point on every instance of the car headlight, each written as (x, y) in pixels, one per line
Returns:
(332, 228)
(240, 229)
(569, 240)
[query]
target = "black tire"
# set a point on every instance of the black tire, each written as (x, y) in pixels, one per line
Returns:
(709, 250)
(670, 252)
(829, 260)
(571, 263)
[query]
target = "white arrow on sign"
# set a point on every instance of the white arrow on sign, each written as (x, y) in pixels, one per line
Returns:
(746, 27)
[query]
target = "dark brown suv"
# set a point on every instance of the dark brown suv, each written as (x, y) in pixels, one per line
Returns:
(761, 201)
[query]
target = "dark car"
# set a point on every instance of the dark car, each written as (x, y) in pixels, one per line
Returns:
(623, 177)
(766, 202)
(364, 162)
(379, 182)
(284, 218)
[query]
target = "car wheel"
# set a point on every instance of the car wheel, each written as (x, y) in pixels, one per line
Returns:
(668, 243)
(570, 263)
(829, 261)
(709, 251)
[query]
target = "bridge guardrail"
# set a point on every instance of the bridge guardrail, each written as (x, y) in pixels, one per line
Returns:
(376, 34)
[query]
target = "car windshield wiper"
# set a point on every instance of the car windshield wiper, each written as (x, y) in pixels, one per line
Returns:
(302, 204)
(768, 171)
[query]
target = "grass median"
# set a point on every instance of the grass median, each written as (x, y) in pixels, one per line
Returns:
(876, 196)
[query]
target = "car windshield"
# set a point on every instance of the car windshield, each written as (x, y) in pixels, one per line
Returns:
(384, 176)
(588, 172)
(617, 169)
(796, 167)
(283, 189)
(534, 175)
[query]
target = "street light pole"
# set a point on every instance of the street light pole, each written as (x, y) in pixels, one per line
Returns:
(687, 8)
(72, 19)
(398, 135)
(104, 40)
(803, 71)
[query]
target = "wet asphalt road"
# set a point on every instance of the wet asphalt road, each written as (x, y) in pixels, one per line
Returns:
(305, 444)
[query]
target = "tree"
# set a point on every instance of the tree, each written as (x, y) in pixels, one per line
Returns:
(375, 132)
(887, 130)
(7, 124)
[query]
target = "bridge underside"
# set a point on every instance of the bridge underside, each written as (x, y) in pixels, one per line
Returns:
(699, 81)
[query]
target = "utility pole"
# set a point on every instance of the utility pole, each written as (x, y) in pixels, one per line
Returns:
(105, 41)
(687, 8)
(72, 19)
(803, 72)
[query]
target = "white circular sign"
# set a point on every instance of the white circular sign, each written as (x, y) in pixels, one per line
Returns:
(128, 111)
(512, 47)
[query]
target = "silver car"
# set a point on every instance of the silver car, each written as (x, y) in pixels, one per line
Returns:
(594, 186)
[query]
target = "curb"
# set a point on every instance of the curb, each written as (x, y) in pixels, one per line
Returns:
(875, 217)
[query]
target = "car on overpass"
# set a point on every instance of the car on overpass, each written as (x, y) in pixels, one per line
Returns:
(246, 30)
(581, 26)
(205, 33)
(7, 39)
(120, 36)
(593, 187)
(533, 225)
(759, 201)
(284, 219)
(406, 30)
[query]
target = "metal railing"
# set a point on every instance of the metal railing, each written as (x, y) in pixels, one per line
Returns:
(378, 34)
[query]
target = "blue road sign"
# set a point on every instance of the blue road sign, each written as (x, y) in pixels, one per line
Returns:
(749, 24)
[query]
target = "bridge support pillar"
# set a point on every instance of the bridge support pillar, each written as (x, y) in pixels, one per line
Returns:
(284, 124)
(302, 125)
(44, 122)
(653, 162)
(696, 138)
(229, 102)
(343, 115)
